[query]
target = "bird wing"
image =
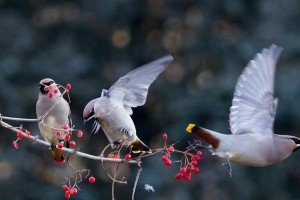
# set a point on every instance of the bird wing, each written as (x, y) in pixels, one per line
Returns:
(253, 106)
(132, 89)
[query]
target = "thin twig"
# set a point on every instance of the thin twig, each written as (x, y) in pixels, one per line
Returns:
(19, 119)
(114, 180)
(104, 169)
(136, 181)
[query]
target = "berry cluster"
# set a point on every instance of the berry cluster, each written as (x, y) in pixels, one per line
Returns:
(191, 167)
(111, 155)
(72, 190)
(69, 191)
(117, 156)
(52, 90)
(20, 135)
(191, 160)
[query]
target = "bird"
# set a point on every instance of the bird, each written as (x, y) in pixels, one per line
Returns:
(252, 142)
(113, 109)
(54, 112)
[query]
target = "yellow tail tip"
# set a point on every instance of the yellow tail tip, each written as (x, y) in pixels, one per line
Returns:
(136, 151)
(190, 127)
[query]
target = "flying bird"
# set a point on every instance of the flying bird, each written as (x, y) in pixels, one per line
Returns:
(55, 112)
(112, 110)
(252, 114)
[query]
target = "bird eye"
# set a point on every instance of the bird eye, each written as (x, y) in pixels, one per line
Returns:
(49, 83)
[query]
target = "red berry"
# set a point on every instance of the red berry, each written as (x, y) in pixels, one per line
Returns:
(193, 168)
(20, 135)
(50, 95)
(67, 195)
(60, 145)
(55, 91)
(165, 158)
(58, 134)
(171, 149)
(127, 157)
(111, 155)
(27, 133)
(15, 144)
(117, 156)
(65, 187)
(73, 191)
(92, 180)
(79, 134)
(187, 177)
(179, 176)
(72, 144)
(199, 153)
(182, 170)
(68, 137)
(168, 163)
(68, 86)
(46, 88)
(194, 163)
(196, 170)
(165, 136)
(188, 170)
(50, 87)
(66, 126)
(195, 158)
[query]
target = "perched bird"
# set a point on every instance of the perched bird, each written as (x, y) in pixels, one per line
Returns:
(112, 110)
(252, 114)
(54, 111)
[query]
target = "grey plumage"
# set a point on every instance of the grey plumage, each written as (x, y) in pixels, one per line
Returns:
(58, 111)
(252, 114)
(113, 109)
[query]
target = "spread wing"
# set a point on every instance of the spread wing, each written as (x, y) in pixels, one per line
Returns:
(253, 106)
(132, 89)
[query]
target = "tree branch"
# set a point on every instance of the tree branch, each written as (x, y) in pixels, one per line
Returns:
(72, 151)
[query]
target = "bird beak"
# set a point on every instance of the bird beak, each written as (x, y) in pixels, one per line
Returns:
(88, 119)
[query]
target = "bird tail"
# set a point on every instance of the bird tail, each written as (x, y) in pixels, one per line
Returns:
(58, 156)
(138, 146)
(209, 136)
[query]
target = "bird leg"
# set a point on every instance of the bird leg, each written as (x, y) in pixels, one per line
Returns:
(228, 165)
(52, 146)
(200, 146)
(117, 144)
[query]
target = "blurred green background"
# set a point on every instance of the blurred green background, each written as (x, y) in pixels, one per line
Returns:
(91, 43)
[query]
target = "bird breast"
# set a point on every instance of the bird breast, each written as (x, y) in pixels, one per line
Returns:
(115, 121)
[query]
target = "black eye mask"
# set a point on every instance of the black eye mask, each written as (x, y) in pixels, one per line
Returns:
(43, 85)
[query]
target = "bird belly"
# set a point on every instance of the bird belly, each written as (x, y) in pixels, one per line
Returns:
(252, 151)
(118, 130)
(49, 127)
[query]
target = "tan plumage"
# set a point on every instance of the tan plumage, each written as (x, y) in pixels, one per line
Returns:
(252, 114)
(58, 115)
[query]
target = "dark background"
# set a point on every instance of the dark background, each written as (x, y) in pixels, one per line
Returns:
(91, 43)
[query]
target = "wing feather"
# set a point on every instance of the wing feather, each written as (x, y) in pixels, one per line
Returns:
(132, 89)
(253, 106)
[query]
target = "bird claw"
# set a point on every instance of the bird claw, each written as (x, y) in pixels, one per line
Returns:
(228, 165)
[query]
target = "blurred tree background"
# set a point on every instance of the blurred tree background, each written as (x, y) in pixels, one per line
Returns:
(91, 43)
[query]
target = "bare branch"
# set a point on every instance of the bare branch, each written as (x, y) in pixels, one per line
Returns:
(19, 119)
(72, 151)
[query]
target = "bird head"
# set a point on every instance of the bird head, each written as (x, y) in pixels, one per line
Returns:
(297, 142)
(46, 82)
(89, 112)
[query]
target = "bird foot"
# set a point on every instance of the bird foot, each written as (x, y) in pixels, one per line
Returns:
(228, 165)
